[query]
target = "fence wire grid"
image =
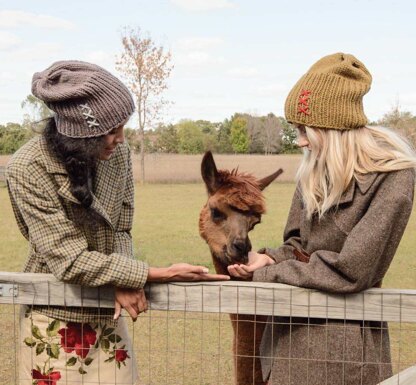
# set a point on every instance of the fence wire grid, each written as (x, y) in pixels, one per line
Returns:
(186, 336)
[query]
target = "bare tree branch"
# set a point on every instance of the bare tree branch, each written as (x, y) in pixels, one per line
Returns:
(145, 68)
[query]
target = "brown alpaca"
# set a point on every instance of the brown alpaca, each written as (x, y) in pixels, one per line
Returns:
(235, 205)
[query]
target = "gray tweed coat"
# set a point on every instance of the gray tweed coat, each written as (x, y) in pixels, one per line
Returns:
(350, 250)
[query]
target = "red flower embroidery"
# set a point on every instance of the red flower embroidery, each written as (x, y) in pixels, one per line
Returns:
(121, 355)
(78, 337)
(46, 379)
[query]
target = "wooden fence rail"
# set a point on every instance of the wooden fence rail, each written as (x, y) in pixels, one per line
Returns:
(226, 297)
(220, 297)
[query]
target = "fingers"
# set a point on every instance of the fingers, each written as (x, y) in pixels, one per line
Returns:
(240, 271)
(117, 311)
(141, 301)
(134, 313)
(213, 277)
(133, 300)
(196, 269)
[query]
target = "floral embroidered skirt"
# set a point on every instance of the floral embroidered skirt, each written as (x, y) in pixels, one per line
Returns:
(54, 352)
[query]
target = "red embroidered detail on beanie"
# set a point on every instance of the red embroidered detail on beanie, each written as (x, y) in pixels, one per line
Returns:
(303, 103)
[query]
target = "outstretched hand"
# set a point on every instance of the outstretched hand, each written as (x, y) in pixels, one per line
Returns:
(255, 261)
(183, 272)
(187, 272)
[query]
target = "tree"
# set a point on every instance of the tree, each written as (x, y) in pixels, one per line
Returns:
(167, 139)
(132, 138)
(289, 138)
(271, 137)
(35, 110)
(402, 121)
(12, 137)
(224, 137)
(190, 137)
(239, 135)
(145, 67)
(209, 132)
(254, 131)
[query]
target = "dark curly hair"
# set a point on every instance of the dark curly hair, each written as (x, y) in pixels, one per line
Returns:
(79, 157)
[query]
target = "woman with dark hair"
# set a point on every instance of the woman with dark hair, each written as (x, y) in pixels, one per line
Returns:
(72, 194)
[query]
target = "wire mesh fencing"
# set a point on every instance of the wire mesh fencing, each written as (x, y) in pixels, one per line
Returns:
(187, 337)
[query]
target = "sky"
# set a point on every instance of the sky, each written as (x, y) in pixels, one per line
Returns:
(229, 55)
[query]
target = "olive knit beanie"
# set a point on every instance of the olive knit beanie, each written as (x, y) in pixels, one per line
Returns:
(330, 94)
(88, 101)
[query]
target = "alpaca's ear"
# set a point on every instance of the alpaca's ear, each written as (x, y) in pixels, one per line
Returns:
(210, 173)
(263, 183)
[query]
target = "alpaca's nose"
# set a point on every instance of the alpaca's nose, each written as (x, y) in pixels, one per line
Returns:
(240, 246)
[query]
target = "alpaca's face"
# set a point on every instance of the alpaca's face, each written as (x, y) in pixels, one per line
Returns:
(225, 229)
(235, 205)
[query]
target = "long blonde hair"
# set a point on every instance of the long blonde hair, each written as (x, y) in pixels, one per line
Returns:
(337, 156)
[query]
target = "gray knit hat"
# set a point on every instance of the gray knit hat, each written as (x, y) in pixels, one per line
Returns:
(87, 100)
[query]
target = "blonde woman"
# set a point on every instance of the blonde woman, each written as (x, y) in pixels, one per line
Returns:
(350, 209)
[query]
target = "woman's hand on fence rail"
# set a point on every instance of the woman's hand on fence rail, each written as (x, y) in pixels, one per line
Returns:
(183, 272)
(255, 261)
(133, 300)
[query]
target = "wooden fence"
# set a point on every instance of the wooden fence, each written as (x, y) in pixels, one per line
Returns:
(392, 305)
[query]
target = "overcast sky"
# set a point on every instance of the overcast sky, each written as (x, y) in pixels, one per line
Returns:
(229, 55)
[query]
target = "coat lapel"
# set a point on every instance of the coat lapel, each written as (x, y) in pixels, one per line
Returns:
(105, 190)
(364, 183)
(107, 183)
(65, 191)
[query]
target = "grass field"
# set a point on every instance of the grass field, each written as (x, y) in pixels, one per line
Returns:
(191, 348)
(178, 168)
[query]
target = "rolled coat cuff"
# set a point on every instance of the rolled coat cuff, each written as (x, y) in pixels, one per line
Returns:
(261, 275)
(282, 253)
(130, 273)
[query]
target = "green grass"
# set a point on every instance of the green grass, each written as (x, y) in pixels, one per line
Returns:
(194, 346)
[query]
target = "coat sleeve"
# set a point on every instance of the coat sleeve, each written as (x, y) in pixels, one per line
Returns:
(368, 249)
(291, 234)
(123, 243)
(60, 243)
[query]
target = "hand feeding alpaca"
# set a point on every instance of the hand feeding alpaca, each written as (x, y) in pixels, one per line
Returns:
(235, 205)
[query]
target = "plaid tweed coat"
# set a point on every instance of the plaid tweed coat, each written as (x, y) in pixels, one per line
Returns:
(350, 250)
(44, 208)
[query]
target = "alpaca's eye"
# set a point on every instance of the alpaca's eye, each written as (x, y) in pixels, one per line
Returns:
(253, 225)
(217, 215)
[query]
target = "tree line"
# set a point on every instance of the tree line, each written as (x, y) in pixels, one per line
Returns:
(241, 133)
